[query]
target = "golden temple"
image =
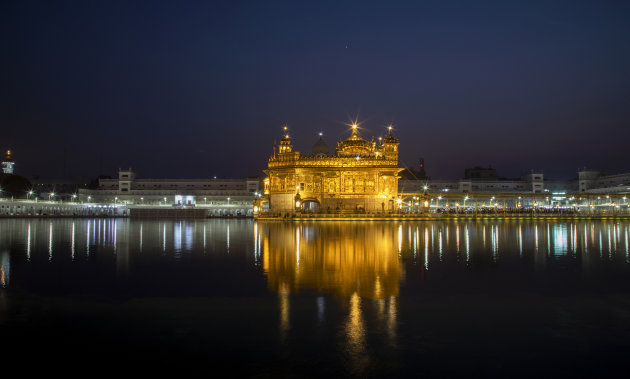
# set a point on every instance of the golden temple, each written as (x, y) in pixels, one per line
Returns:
(360, 177)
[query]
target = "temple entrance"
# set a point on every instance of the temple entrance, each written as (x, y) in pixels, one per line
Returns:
(311, 206)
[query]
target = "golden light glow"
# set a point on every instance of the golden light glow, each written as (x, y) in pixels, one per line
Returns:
(339, 258)
(359, 176)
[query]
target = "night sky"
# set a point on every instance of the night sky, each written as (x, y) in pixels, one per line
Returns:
(196, 89)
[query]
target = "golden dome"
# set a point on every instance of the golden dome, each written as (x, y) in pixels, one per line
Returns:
(355, 145)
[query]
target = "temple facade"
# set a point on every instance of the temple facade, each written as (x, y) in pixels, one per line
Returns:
(359, 177)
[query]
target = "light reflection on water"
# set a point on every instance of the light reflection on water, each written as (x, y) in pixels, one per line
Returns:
(339, 258)
(356, 281)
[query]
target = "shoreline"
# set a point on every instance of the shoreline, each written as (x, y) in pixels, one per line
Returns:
(624, 217)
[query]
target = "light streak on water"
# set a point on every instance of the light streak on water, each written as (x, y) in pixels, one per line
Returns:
(87, 240)
(536, 238)
(28, 243)
(520, 240)
(440, 243)
(415, 244)
(50, 242)
(609, 243)
(457, 238)
(467, 244)
(297, 243)
(228, 238)
(548, 239)
(141, 238)
(115, 233)
(426, 248)
(72, 243)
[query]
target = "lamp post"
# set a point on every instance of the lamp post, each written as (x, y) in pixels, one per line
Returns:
(74, 197)
(29, 193)
(50, 196)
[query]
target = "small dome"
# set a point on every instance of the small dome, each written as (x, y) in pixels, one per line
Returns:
(320, 148)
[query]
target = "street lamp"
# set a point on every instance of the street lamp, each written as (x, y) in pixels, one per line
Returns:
(29, 193)
(89, 198)
(74, 197)
(51, 195)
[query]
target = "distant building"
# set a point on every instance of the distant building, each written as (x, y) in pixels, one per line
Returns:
(591, 181)
(8, 163)
(477, 180)
(223, 196)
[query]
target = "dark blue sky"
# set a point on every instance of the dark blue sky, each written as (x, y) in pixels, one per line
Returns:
(195, 89)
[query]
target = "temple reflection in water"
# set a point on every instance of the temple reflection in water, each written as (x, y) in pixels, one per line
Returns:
(359, 292)
(342, 258)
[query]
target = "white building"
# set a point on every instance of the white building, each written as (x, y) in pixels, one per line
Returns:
(591, 181)
(221, 196)
(477, 180)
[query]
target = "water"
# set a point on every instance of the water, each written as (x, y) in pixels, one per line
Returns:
(270, 299)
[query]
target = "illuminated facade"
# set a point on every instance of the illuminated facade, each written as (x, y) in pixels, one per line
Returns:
(7, 164)
(361, 176)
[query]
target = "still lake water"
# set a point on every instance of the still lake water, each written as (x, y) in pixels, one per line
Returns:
(273, 299)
